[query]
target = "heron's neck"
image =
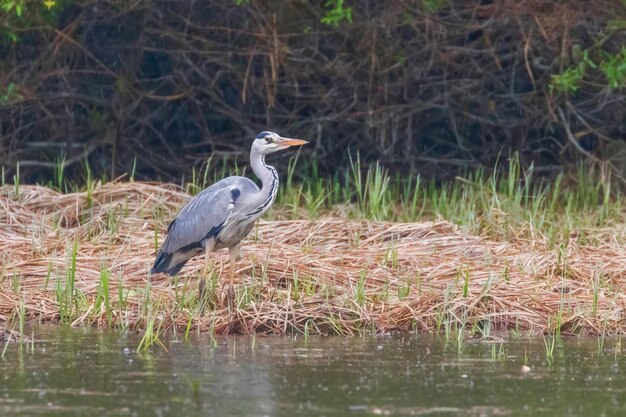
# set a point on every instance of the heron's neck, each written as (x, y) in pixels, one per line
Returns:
(269, 180)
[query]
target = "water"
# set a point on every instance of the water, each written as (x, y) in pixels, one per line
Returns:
(87, 372)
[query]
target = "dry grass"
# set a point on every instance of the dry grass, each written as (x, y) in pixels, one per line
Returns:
(325, 276)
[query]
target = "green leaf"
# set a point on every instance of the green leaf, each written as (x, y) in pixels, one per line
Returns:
(7, 6)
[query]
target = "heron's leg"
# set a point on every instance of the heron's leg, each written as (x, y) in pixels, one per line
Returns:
(207, 257)
(205, 275)
(236, 251)
(233, 252)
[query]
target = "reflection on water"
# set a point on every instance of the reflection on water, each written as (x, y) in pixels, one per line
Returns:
(94, 372)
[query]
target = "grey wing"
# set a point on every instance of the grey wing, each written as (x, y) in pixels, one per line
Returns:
(204, 215)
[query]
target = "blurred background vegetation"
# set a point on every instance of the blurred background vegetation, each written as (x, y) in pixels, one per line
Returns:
(437, 87)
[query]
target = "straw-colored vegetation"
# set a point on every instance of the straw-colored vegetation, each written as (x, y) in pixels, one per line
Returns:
(541, 259)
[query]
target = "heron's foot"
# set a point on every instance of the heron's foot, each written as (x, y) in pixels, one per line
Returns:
(230, 297)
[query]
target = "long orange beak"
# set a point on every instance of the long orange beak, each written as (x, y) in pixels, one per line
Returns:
(286, 142)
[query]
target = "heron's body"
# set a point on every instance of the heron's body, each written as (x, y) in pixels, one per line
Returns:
(223, 214)
(203, 222)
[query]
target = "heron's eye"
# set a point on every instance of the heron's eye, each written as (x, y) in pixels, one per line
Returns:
(268, 139)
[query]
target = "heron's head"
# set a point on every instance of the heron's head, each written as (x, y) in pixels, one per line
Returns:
(268, 142)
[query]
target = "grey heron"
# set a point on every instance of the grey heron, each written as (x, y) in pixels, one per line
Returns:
(223, 214)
